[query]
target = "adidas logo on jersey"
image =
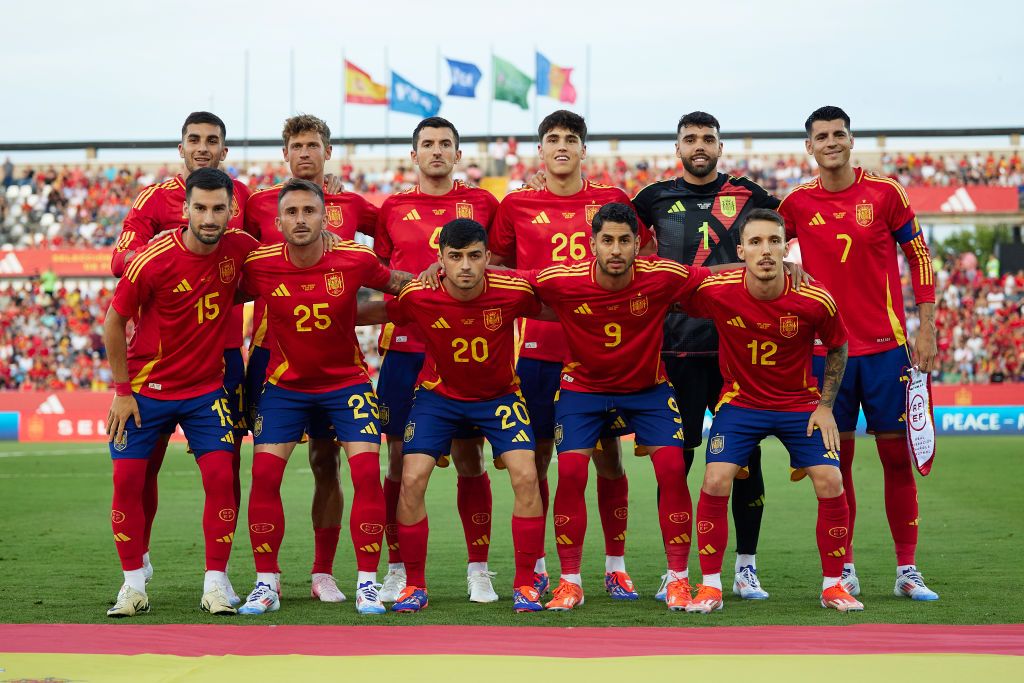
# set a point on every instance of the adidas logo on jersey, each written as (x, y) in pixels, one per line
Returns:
(677, 207)
(521, 437)
(817, 220)
(370, 429)
(541, 217)
(413, 215)
(583, 309)
(441, 324)
(183, 286)
(281, 290)
(736, 322)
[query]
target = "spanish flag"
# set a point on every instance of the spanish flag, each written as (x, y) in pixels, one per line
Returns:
(360, 88)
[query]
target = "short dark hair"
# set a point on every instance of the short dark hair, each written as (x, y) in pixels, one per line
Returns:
(300, 185)
(701, 119)
(460, 233)
(616, 213)
(434, 122)
(826, 113)
(762, 215)
(208, 179)
(204, 117)
(306, 123)
(563, 118)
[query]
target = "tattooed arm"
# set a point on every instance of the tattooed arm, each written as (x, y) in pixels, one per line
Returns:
(399, 279)
(822, 418)
(925, 348)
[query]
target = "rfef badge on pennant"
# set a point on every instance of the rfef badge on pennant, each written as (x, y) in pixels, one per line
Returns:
(920, 421)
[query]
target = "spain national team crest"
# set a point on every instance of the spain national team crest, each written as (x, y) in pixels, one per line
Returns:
(865, 214)
(335, 283)
(559, 433)
(227, 270)
(638, 305)
(789, 325)
(257, 426)
(235, 210)
(410, 431)
(728, 206)
(592, 210)
(717, 444)
(121, 442)
(463, 210)
(334, 216)
(385, 415)
(492, 318)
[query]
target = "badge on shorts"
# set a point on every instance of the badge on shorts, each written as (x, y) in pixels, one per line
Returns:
(257, 426)
(227, 270)
(789, 325)
(410, 431)
(121, 442)
(592, 210)
(558, 435)
(728, 206)
(463, 210)
(385, 414)
(335, 283)
(865, 214)
(492, 318)
(334, 216)
(717, 444)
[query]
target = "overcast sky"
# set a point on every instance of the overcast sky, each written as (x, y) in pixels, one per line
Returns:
(132, 70)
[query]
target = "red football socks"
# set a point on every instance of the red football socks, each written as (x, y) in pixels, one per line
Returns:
(832, 534)
(220, 512)
(846, 448)
(325, 547)
(474, 503)
(127, 517)
(236, 469)
(571, 510)
(413, 538)
(900, 497)
(613, 505)
(391, 491)
(675, 507)
(528, 542)
(150, 495)
(266, 513)
(545, 495)
(712, 531)
(366, 522)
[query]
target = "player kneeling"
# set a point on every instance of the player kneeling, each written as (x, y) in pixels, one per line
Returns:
(468, 381)
(767, 333)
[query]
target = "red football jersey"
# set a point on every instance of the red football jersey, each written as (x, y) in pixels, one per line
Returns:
(615, 337)
(847, 241)
(534, 229)
(160, 207)
(407, 231)
(181, 303)
(470, 344)
(312, 313)
(347, 214)
(765, 347)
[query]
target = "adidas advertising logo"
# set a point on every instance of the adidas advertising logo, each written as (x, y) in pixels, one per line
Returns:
(677, 207)
(413, 215)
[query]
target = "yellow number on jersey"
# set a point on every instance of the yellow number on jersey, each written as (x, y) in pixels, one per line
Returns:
(357, 402)
(207, 308)
(435, 238)
(477, 348)
(614, 332)
(846, 249)
(320, 319)
(223, 410)
(575, 244)
(674, 406)
(505, 413)
(761, 355)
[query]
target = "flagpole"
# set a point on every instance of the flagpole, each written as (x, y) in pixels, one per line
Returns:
(341, 103)
(387, 113)
(490, 100)
(536, 77)
(587, 100)
(438, 88)
(245, 113)
(291, 82)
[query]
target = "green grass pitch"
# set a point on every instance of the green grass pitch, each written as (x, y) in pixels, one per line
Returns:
(58, 561)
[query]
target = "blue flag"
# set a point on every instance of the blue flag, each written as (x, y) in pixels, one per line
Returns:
(465, 76)
(406, 97)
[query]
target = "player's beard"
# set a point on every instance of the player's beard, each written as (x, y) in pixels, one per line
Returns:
(208, 239)
(703, 170)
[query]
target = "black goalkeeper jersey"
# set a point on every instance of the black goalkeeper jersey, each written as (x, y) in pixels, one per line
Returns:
(694, 225)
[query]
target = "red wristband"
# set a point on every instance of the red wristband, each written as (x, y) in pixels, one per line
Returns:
(122, 388)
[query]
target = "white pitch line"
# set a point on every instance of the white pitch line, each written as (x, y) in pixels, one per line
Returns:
(25, 454)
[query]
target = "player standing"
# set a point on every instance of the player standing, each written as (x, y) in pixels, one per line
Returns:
(307, 148)
(612, 308)
(179, 290)
(316, 366)
(161, 207)
(534, 229)
(468, 382)
(767, 334)
(407, 238)
(694, 218)
(849, 222)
